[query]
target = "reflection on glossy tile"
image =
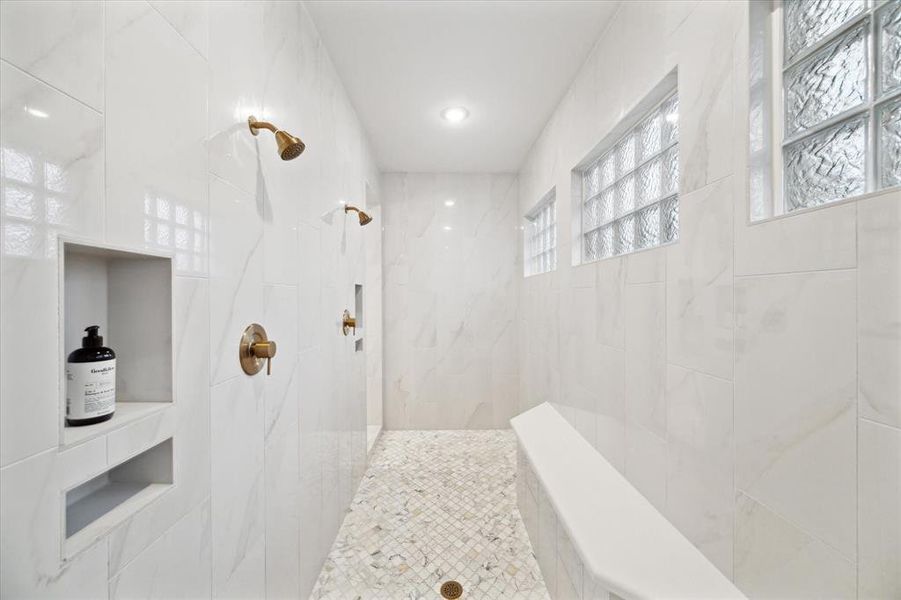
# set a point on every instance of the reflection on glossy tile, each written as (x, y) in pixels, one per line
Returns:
(52, 167)
(236, 83)
(51, 182)
(156, 188)
(59, 42)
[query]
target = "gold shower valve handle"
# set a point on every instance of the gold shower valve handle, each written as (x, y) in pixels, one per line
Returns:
(255, 348)
(264, 350)
(349, 322)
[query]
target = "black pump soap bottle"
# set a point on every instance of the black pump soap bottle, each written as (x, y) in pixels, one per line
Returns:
(90, 381)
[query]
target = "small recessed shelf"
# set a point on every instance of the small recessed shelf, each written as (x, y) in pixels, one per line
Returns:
(358, 304)
(129, 295)
(101, 503)
(358, 312)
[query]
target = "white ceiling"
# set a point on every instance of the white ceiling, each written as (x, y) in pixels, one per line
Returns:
(509, 63)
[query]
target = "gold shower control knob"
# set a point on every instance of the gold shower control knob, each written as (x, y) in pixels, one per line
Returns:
(255, 348)
(263, 349)
(348, 322)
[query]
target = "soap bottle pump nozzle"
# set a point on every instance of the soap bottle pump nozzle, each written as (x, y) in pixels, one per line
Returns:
(93, 339)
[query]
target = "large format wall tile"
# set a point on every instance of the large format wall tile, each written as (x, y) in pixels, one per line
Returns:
(775, 559)
(699, 487)
(238, 501)
(795, 383)
(645, 463)
(32, 523)
(703, 56)
(699, 283)
(451, 275)
(236, 92)
(236, 274)
(879, 305)
(812, 241)
(645, 375)
(51, 182)
(157, 188)
(59, 42)
(879, 511)
(177, 565)
(282, 457)
(190, 19)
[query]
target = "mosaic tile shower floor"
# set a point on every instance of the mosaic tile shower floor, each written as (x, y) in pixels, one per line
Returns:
(434, 506)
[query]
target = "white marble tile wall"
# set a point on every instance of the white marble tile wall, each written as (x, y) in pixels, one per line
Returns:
(125, 123)
(746, 379)
(451, 277)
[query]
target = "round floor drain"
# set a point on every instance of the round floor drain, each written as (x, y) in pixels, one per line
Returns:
(451, 590)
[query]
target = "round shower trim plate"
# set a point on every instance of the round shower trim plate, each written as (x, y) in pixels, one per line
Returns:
(250, 121)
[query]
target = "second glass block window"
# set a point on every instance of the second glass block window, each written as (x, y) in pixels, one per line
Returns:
(630, 195)
(541, 236)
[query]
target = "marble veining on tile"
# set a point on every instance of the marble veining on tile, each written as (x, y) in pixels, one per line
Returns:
(434, 506)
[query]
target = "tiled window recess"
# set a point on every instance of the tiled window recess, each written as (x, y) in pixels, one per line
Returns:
(834, 115)
(541, 236)
(630, 195)
(129, 295)
(99, 504)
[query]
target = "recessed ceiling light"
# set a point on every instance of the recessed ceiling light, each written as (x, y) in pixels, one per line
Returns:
(447, 228)
(450, 202)
(454, 114)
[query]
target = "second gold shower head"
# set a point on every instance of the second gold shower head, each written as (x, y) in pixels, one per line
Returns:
(361, 215)
(289, 147)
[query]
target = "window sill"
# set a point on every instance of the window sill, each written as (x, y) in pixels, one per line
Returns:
(805, 211)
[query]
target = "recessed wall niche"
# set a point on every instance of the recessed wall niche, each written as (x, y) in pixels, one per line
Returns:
(129, 295)
(94, 507)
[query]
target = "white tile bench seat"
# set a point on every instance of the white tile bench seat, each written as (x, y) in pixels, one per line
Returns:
(595, 536)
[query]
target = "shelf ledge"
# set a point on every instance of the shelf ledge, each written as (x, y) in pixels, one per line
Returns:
(126, 413)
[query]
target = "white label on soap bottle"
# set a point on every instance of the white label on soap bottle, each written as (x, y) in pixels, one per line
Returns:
(90, 389)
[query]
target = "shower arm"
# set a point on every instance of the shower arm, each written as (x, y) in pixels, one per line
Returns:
(254, 125)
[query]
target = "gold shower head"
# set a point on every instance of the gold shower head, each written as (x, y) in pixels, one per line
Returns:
(289, 147)
(364, 218)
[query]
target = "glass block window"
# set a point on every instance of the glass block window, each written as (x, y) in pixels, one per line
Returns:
(833, 109)
(541, 236)
(630, 195)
